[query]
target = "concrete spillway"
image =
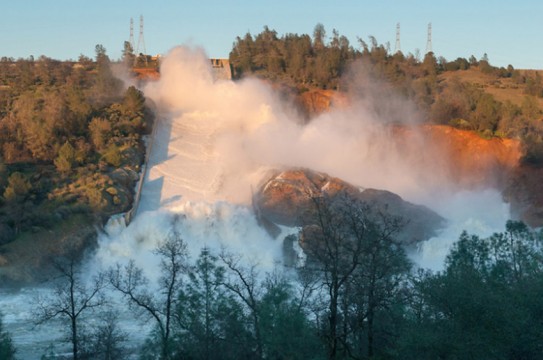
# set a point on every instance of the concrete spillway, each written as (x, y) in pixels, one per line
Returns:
(182, 165)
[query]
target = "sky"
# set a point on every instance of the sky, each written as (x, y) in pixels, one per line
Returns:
(508, 32)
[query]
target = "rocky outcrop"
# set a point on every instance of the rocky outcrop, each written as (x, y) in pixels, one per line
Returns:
(316, 101)
(475, 160)
(285, 199)
(460, 157)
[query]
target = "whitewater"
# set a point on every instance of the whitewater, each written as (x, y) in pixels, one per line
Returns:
(215, 142)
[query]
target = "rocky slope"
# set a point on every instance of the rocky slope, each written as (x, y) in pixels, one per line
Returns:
(468, 160)
(285, 199)
(465, 158)
(314, 102)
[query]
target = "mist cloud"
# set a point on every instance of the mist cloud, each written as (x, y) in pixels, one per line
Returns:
(251, 130)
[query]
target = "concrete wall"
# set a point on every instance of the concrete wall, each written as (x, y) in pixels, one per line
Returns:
(221, 69)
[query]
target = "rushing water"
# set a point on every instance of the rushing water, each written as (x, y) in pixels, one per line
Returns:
(214, 143)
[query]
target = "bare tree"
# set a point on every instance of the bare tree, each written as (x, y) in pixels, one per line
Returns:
(243, 282)
(72, 297)
(105, 342)
(353, 250)
(157, 302)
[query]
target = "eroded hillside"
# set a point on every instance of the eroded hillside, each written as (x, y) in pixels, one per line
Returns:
(469, 160)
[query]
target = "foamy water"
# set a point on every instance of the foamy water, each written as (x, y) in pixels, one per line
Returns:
(480, 212)
(214, 143)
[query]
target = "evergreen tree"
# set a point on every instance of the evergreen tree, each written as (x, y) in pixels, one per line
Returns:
(484, 304)
(210, 323)
(7, 349)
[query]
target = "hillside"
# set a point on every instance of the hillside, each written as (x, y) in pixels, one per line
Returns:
(502, 88)
(71, 147)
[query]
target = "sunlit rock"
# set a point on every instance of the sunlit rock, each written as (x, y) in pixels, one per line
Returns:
(285, 199)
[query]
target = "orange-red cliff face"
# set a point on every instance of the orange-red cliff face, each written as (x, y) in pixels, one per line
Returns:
(461, 157)
(314, 102)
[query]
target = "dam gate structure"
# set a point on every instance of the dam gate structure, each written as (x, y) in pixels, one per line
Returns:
(221, 69)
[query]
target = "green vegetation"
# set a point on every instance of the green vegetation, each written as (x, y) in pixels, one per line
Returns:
(7, 350)
(468, 94)
(356, 297)
(70, 143)
(484, 305)
(65, 128)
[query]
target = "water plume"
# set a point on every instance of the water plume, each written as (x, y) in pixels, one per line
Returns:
(216, 140)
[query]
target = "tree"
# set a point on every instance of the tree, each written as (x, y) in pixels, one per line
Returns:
(3, 175)
(133, 102)
(286, 330)
(18, 187)
(112, 155)
(17, 194)
(275, 323)
(319, 35)
(241, 55)
(105, 341)
(101, 56)
(355, 253)
(209, 321)
(487, 114)
(243, 282)
(158, 304)
(100, 132)
(128, 54)
(66, 158)
(72, 298)
(484, 304)
(106, 84)
(7, 349)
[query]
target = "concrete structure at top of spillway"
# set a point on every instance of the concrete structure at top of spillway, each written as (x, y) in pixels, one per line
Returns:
(221, 69)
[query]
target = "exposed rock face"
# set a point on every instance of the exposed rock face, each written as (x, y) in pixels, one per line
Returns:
(474, 160)
(315, 102)
(466, 159)
(285, 200)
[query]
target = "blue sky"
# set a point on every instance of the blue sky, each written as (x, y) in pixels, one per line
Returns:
(510, 32)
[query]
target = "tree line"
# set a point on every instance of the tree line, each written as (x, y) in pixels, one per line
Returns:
(64, 128)
(304, 62)
(357, 296)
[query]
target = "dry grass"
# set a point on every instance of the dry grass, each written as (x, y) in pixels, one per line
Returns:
(502, 89)
(26, 260)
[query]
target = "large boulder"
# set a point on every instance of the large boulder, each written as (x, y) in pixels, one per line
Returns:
(286, 199)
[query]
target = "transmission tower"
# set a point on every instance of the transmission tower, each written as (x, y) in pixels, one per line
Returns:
(131, 40)
(140, 49)
(429, 40)
(397, 47)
